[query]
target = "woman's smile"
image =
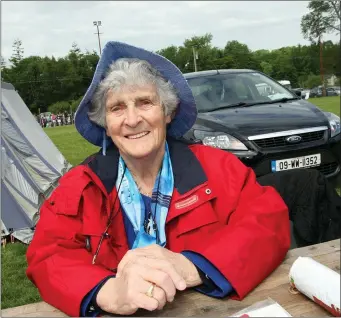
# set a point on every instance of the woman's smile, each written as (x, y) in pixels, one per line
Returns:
(138, 136)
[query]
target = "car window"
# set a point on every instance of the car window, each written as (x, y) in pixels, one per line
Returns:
(241, 89)
(200, 89)
(214, 91)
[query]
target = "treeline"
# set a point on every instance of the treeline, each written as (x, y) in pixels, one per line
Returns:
(58, 84)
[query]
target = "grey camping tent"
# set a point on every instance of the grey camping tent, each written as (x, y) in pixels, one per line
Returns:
(31, 166)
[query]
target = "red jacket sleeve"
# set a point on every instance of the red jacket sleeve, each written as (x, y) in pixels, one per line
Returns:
(58, 263)
(256, 236)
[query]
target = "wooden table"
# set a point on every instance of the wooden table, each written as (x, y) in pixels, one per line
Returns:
(191, 303)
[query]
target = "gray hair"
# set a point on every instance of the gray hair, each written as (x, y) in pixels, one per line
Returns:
(129, 71)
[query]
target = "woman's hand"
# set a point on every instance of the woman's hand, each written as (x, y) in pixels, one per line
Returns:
(164, 260)
(126, 293)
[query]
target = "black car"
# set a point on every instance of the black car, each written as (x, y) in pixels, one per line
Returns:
(331, 91)
(317, 92)
(266, 125)
(300, 92)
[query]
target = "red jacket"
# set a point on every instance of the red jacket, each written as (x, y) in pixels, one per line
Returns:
(217, 210)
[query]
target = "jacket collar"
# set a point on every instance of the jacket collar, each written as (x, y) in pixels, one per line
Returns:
(187, 170)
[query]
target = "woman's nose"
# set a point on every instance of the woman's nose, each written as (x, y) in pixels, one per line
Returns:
(133, 117)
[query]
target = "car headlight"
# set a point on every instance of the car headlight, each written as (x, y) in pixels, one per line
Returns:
(219, 140)
(334, 122)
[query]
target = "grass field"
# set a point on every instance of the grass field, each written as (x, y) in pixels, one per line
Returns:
(70, 143)
(16, 288)
(329, 104)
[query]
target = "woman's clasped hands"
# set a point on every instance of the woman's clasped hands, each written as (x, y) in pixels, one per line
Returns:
(147, 278)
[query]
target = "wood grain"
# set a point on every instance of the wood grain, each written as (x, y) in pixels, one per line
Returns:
(191, 303)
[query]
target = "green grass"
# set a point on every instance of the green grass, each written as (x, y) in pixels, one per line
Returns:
(70, 143)
(329, 104)
(16, 288)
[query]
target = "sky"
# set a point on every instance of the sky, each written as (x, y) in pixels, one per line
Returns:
(49, 28)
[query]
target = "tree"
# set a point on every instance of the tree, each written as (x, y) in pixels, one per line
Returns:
(225, 62)
(312, 81)
(18, 52)
(324, 17)
(171, 53)
(75, 49)
(2, 63)
(266, 68)
(59, 107)
(332, 58)
(74, 104)
(203, 50)
(182, 56)
(241, 54)
(199, 41)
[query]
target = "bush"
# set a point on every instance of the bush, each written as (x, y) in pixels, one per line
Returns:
(312, 81)
(59, 107)
(75, 104)
(65, 106)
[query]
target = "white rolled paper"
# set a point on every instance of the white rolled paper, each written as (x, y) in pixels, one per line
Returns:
(318, 282)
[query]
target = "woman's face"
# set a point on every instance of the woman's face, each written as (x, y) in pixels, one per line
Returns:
(136, 121)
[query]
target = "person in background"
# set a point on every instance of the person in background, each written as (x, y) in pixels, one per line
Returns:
(53, 117)
(150, 215)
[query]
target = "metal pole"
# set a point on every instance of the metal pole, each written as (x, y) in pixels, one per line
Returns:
(99, 41)
(321, 66)
(195, 60)
(98, 24)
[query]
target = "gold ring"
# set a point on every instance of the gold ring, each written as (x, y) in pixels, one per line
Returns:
(150, 290)
(293, 290)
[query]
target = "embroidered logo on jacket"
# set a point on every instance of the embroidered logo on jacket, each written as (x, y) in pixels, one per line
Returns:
(187, 202)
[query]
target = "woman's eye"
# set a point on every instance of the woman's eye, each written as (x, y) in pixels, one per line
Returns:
(145, 103)
(116, 108)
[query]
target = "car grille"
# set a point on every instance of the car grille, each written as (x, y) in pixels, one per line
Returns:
(280, 141)
(327, 168)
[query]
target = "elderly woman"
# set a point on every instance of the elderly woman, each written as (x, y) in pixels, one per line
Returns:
(150, 215)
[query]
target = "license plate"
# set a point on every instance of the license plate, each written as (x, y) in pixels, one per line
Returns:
(296, 163)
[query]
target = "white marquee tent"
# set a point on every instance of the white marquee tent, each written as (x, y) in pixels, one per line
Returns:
(31, 166)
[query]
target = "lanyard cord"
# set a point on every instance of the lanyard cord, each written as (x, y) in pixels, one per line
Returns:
(105, 233)
(156, 229)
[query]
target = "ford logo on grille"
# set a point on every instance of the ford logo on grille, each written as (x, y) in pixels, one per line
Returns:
(293, 139)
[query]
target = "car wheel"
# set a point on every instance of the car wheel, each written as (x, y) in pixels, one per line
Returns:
(336, 181)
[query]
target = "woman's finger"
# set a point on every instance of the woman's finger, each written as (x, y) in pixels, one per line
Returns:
(157, 293)
(160, 295)
(159, 278)
(145, 302)
(138, 285)
(132, 256)
(166, 267)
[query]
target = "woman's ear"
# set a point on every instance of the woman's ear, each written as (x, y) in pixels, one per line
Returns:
(168, 119)
(173, 114)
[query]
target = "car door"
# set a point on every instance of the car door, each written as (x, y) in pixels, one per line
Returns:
(331, 92)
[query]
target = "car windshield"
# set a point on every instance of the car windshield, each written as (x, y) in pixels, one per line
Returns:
(212, 92)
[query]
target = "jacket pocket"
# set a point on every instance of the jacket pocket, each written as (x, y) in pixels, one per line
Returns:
(201, 218)
(66, 198)
(105, 256)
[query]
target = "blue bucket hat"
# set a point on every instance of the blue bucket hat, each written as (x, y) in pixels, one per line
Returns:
(186, 112)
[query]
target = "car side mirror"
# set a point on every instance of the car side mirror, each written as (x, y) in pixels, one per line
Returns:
(297, 92)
